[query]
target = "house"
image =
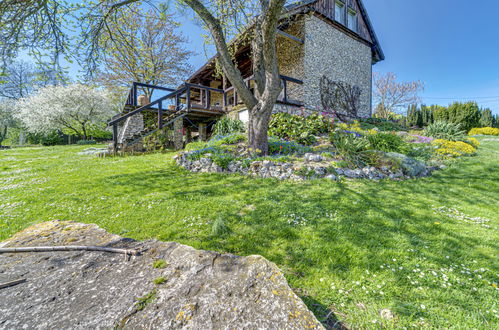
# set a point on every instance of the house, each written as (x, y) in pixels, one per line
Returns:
(316, 38)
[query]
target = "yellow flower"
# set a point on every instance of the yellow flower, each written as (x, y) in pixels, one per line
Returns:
(474, 142)
(437, 223)
(484, 131)
(453, 148)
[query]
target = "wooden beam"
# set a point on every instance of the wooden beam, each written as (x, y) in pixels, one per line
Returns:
(289, 36)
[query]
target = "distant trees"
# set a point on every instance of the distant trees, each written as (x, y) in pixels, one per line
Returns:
(392, 96)
(144, 47)
(468, 115)
(486, 118)
(74, 109)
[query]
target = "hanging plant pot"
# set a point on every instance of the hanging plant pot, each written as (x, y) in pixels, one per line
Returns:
(143, 100)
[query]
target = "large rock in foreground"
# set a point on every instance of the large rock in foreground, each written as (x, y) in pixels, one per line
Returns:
(186, 288)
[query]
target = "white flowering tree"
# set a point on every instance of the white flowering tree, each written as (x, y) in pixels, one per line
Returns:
(75, 109)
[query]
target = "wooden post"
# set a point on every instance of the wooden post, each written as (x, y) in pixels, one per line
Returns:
(160, 115)
(208, 99)
(188, 100)
(202, 131)
(115, 138)
(134, 95)
(285, 90)
(188, 135)
(178, 133)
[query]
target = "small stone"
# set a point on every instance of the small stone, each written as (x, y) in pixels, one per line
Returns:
(331, 177)
(386, 314)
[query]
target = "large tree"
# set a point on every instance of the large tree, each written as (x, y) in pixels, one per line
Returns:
(392, 96)
(219, 17)
(75, 109)
(142, 46)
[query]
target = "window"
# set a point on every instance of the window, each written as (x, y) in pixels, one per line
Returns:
(352, 20)
(339, 12)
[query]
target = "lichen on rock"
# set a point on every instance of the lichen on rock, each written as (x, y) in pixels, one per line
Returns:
(202, 289)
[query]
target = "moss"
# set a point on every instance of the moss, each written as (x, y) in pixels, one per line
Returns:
(143, 301)
(159, 280)
(159, 264)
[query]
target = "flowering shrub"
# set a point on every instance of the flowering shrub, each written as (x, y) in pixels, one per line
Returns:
(419, 139)
(474, 142)
(453, 148)
(233, 138)
(355, 127)
(484, 131)
(281, 147)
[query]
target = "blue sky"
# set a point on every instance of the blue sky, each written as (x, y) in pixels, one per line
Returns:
(450, 45)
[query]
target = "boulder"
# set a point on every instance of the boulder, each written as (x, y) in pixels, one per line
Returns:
(186, 288)
(309, 157)
(409, 166)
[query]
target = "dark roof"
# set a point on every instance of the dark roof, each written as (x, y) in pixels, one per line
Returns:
(377, 51)
(304, 6)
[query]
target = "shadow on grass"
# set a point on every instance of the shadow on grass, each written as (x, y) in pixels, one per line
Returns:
(373, 219)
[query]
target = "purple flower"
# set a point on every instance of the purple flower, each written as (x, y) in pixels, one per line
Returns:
(354, 133)
(421, 139)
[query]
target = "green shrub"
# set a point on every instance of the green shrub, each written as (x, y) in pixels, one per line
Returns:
(388, 142)
(195, 146)
(350, 146)
(85, 142)
(281, 147)
(226, 125)
(297, 128)
(198, 154)
(223, 160)
(444, 130)
(381, 124)
(232, 138)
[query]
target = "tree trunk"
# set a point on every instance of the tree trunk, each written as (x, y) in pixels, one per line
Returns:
(3, 135)
(258, 126)
(265, 67)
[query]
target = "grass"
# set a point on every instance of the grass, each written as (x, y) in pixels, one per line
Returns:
(350, 249)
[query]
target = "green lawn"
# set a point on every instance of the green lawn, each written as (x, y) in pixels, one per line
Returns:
(353, 247)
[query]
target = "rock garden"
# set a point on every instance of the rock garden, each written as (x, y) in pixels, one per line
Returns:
(317, 147)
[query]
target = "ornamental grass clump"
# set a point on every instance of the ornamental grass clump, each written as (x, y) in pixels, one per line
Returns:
(451, 149)
(227, 125)
(444, 130)
(484, 131)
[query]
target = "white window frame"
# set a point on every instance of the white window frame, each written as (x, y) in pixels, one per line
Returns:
(342, 5)
(352, 14)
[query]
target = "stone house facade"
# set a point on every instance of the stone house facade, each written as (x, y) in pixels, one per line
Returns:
(315, 39)
(332, 38)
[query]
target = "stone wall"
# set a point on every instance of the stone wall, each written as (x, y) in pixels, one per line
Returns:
(290, 56)
(330, 52)
(132, 125)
